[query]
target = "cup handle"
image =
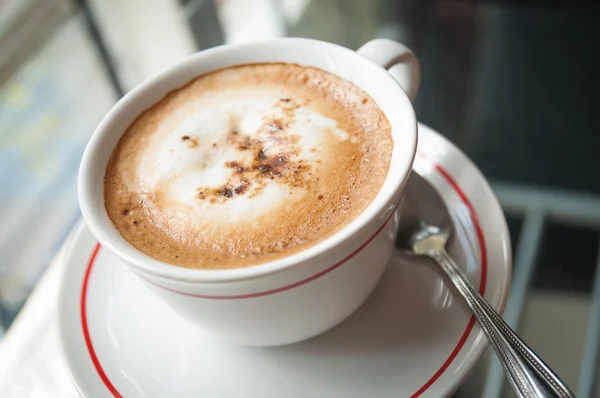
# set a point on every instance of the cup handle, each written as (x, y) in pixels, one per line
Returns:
(398, 59)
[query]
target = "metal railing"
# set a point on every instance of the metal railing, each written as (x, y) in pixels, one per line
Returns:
(538, 207)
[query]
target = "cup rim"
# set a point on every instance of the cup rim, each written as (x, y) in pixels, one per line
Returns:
(112, 239)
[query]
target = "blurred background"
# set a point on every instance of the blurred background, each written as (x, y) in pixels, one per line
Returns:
(513, 84)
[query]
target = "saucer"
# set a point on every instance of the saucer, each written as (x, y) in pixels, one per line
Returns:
(412, 338)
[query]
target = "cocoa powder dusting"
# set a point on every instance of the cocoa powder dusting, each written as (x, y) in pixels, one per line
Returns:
(275, 158)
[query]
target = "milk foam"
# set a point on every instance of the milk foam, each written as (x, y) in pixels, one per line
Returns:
(190, 151)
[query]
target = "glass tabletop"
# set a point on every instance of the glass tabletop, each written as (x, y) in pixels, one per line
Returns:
(510, 84)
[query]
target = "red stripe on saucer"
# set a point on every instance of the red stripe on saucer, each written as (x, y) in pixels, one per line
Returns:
(482, 285)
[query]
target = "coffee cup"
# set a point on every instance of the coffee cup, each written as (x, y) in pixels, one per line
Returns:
(308, 292)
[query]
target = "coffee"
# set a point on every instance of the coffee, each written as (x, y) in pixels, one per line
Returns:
(247, 164)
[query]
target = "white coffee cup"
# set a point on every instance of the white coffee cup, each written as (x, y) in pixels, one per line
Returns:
(304, 294)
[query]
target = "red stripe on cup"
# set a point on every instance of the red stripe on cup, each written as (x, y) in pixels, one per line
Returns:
(290, 286)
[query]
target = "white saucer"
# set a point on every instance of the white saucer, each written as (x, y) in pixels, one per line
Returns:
(412, 338)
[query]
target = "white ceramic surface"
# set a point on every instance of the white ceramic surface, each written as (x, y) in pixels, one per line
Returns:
(286, 308)
(412, 338)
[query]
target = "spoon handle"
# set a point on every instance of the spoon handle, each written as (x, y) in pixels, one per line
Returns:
(528, 374)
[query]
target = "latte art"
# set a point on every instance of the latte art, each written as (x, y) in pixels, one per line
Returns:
(246, 164)
(257, 146)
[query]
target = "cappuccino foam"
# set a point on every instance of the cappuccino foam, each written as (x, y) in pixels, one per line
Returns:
(247, 164)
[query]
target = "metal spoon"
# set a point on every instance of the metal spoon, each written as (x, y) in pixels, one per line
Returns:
(425, 229)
